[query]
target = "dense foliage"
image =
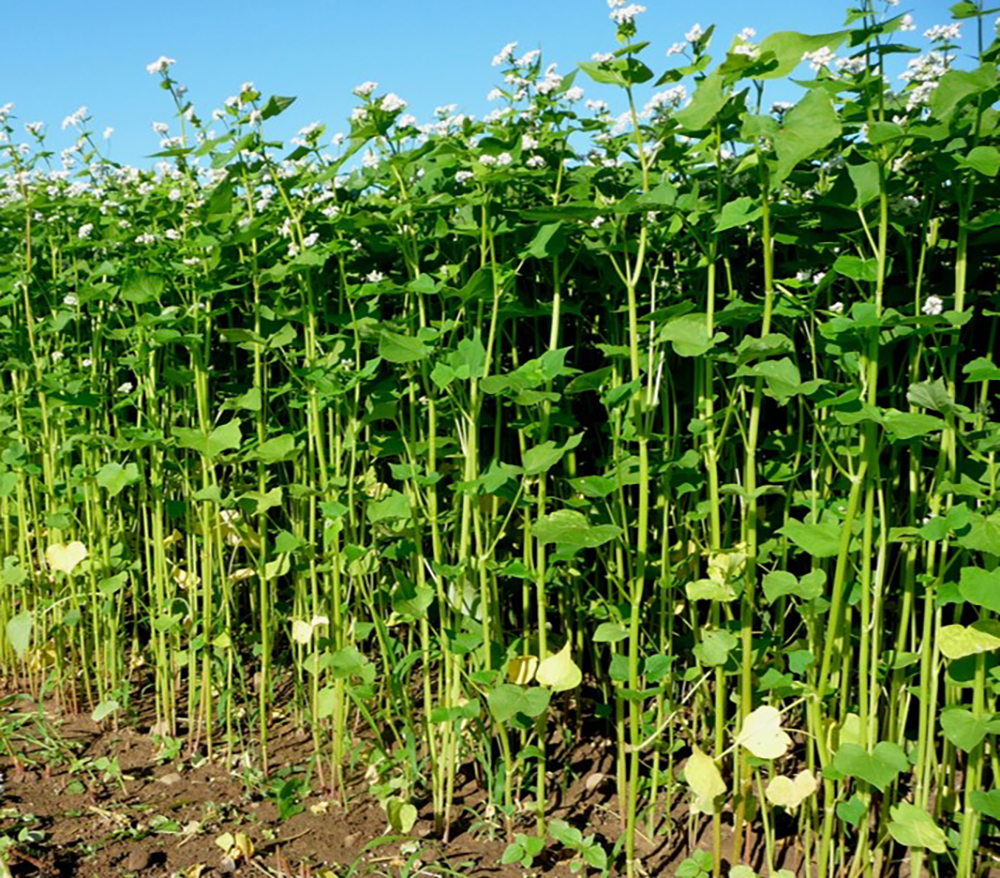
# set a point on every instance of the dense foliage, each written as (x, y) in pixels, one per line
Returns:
(495, 434)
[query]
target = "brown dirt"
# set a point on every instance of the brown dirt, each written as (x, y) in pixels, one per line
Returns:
(166, 819)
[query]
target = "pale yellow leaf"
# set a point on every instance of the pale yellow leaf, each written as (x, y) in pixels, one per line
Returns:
(65, 557)
(790, 792)
(521, 669)
(762, 734)
(705, 780)
(559, 672)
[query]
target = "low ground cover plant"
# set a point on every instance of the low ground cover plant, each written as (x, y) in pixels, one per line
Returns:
(489, 436)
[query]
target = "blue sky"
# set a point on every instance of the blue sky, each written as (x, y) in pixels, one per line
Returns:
(431, 53)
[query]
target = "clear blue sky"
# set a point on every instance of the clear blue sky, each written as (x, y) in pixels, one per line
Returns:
(60, 55)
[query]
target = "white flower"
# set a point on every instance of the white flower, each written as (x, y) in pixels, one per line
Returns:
(374, 277)
(191, 261)
(160, 65)
(933, 306)
(365, 89)
(504, 55)
(161, 128)
(85, 230)
(597, 222)
(126, 387)
(818, 276)
(528, 58)
(246, 87)
(852, 65)
(695, 34)
(747, 34)
(256, 117)
(536, 161)
(626, 14)
(74, 118)
(108, 132)
(370, 159)
(311, 239)
(70, 300)
(573, 94)
(748, 49)
(803, 276)
(504, 159)
(907, 23)
(34, 128)
(463, 176)
(393, 102)
(488, 160)
(820, 58)
(602, 57)
(494, 95)
(172, 235)
(837, 307)
(145, 238)
(174, 194)
(944, 33)
(528, 142)
(86, 362)
(57, 356)
(676, 49)
(599, 107)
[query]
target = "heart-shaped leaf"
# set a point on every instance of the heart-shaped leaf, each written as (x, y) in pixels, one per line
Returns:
(559, 672)
(65, 558)
(879, 768)
(762, 735)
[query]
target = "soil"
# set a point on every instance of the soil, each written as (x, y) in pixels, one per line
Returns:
(164, 819)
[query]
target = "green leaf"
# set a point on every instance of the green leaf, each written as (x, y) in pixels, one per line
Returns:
(141, 287)
(879, 768)
(980, 587)
(738, 213)
(104, 709)
(12, 574)
(781, 582)
(856, 268)
(570, 529)
(984, 159)
(224, 438)
(819, 540)
(610, 632)
(915, 828)
(851, 811)
(987, 803)
(809, 126)
(787, 48)
(708, 99)
(958, 641)
(866, 184)
(715, 647)
(983, 534)
(958, 86)
(910, 425)
(507, 700)
(541, 458)
(688, 334)
(963, 728)
(931, 395)
(114, 477)
(401, 348)
(395, 505)
(19, 631)
(276, 449)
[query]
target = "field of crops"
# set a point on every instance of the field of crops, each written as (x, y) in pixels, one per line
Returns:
(456, 452)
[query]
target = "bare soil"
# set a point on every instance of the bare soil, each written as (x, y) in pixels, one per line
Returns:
(163, 819)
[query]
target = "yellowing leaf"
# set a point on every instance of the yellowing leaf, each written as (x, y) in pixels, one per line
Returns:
(65, 557)
(762, 734)
(705, 780)
(521, 669)
(302, 631)
(790, 792)
(559, 672)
